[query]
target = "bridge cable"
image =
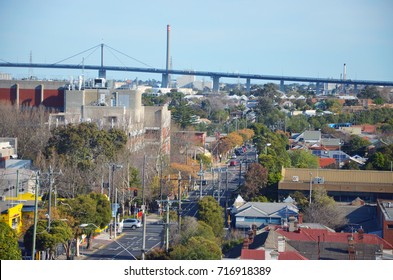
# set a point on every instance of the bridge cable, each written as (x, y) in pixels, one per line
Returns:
(130, 57)
(5, 61)
(93, 51)
(76, 54)
(117, 58)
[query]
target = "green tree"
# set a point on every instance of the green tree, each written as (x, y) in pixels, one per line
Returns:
(182, 114)
(272, 147)
(356, 145)
(92, 209)
(256, 180)
(81, 145)
(370, 92)
(210, 212)
(333, 105)
(197, 248)
(382, 159)
(300, 199)
(303, 159)
(9, 248)
(47, 239)
(297, 123)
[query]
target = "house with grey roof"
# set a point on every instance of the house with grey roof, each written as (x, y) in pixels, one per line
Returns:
(262, 214)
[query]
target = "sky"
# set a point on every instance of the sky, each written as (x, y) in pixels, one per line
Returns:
(282, 37)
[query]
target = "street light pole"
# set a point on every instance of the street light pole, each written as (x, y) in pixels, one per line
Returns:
(35, 215)
(310, 186)
(143, 210)
(50, 197)
(200, 176)
(179, 201)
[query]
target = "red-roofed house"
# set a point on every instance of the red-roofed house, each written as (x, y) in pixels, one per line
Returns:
(327, 162)
(250, 254)
(324, 244)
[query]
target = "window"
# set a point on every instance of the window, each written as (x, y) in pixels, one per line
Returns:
(390, 226)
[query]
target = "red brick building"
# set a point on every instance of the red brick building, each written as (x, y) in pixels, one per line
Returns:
(33, 93)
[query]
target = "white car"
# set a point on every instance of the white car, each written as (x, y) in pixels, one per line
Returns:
(131, 223)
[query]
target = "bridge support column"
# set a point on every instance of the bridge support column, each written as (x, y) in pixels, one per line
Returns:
(216, 83)
(102, 73)
(248, 85)
(318, 88)
(164, 80)
(282, 87)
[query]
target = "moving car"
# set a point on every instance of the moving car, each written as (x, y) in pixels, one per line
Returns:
(131, 223)
(234, 163)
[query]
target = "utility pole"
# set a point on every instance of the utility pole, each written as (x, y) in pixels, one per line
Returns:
(115, 225)
(200, 176)
(310, 186)
(240, 174)
(226, 190)
(179, 201)
(219, 187)
(143, 210)
(35, 214)
(17, 184)
(167, 226)
(50, 197)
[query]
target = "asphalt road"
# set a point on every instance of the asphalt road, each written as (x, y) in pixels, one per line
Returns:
(129, 245)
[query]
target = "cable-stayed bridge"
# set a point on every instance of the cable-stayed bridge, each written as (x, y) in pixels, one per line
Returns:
(102, 69)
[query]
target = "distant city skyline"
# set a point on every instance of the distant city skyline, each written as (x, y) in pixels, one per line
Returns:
(289, 38)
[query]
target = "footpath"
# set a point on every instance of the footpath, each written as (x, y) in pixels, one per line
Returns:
(104, 239)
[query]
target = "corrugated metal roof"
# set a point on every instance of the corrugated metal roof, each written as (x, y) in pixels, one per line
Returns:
(266, 209)
(339, 175)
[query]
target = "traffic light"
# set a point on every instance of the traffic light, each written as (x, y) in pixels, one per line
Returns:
(135, 193)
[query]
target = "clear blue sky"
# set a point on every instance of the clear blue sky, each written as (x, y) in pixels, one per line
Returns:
(288, 37)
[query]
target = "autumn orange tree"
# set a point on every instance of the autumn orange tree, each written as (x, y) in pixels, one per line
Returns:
(235, 138)
(246, 133)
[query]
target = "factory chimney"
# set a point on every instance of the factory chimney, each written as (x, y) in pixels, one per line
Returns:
(345, 72)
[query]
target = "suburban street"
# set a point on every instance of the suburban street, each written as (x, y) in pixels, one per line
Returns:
(128, 246)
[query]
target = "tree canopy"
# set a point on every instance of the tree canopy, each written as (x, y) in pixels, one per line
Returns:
(9, 247)
(303, 159)
(83, 144)
(197, 248)
(256, 180)
(210, 212)
(47, 239)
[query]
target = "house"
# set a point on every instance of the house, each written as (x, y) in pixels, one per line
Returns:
(327, 162)
(319, 244)
(17, 212)
(309, 137)
(385, 218)
(261, 214)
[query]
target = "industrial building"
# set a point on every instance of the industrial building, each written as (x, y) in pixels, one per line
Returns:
(343, 185)
(93, 101)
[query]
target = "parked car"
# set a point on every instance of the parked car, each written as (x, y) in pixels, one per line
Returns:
(131, 223)
(204, 182)
(234, 163)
